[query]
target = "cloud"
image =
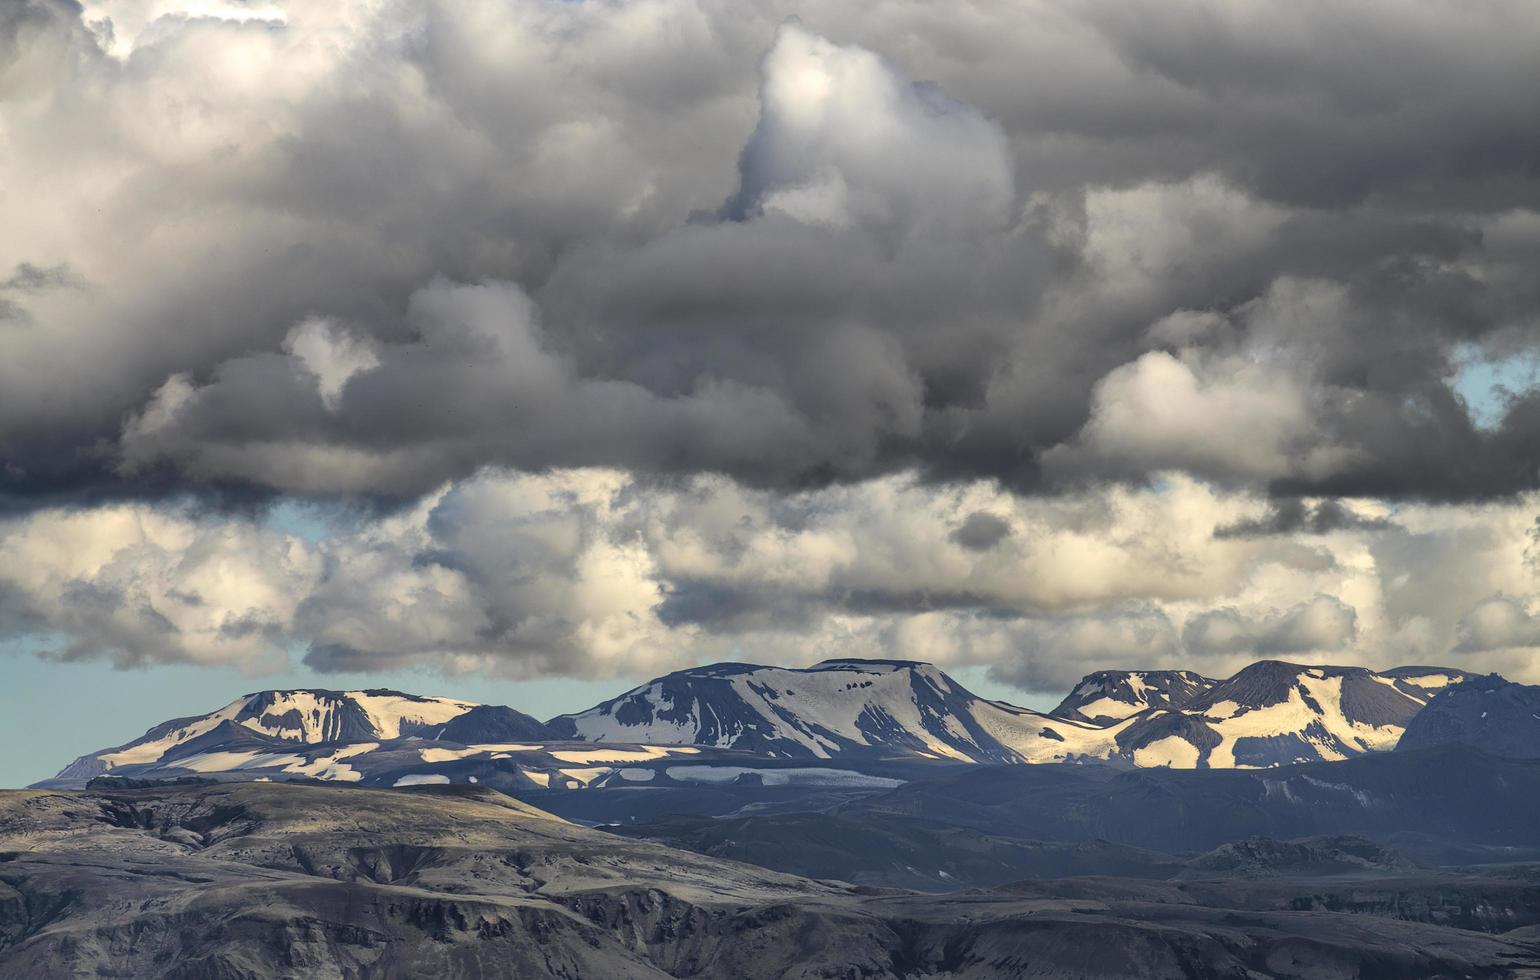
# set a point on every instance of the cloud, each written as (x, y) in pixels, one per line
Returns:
(1029, 244)
(136, 586)
(330, 355)
(842, 140)
(981, 531)
(1229, 420)
(476, 379)
(1006, 332)
(598, 573)
(1051, 654)
(1296, 516)
(29, 278)
(1500, 622)
(1325, 623)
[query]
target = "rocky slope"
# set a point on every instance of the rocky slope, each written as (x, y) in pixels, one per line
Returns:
(287, 881)
(1491, 713)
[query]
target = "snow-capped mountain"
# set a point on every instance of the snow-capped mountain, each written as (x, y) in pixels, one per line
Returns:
(387, 738)
(310, 717)
(735, 720)
(1109, 696)
(1274, 713)
(1269, 714)
(835, 708)
(1494, 715)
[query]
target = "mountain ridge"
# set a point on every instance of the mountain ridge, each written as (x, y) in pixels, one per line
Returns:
(838, 710)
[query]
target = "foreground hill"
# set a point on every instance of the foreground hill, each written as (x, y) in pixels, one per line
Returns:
(291, 881)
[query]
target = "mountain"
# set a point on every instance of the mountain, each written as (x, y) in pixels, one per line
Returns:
(744, 718)
(1271, 713)
(284, 721)
(1489, 713)
(248, 880)
(1108, 696)
(388, 739)
(872, 708)
(1274, 713)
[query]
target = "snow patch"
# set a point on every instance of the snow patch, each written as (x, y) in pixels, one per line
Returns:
(422, 779)
(387, 712)
(586, 775)
(1171, 752)
(644, 753)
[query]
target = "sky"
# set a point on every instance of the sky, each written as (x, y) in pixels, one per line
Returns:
(523, 351)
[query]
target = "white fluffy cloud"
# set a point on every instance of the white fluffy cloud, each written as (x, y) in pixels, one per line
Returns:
(591, 572)
(1228, 418)
(135, 585)
(843, 140)
(1499, 623)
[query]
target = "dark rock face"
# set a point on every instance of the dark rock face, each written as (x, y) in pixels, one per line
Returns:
(1488, 713)
(1265, 857)
(1156, 725)
(489, 723)
(287, 881)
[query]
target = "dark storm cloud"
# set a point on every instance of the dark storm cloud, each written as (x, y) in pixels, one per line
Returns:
(1295, 516)
(29, 278)
(1255, 241)
(981, 531)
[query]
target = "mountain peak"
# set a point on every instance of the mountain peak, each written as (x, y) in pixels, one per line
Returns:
(1108, 696)
(871, 663)
(843, 706)
(280, 717)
